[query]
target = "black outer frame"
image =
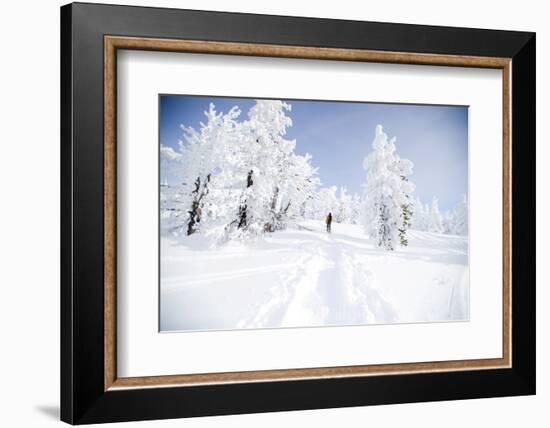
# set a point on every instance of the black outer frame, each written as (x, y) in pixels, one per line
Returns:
(83, 399)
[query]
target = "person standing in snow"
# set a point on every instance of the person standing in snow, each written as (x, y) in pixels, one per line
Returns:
(328, 221)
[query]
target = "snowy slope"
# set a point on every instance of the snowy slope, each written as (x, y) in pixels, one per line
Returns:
(306, 277)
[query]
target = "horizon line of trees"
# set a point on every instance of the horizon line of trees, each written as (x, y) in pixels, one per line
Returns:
(242, 178)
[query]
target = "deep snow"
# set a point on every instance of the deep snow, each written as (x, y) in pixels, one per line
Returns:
(306, 277)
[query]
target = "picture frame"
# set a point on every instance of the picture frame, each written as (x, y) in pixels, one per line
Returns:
(91, 390)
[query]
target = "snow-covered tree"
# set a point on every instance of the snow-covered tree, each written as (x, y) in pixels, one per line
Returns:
(404, 167)
(387, 193)
(447, 221)
(207, 156)
(421, 219)
(356, 206)
(293, 187)
(297, 189)
(406, 214)
(460, 217)
(324, 201)
(172, 211)
(344, 211)
(200, 164)
(170, 195)
(429, 218)
(268, 167)
(436, 219)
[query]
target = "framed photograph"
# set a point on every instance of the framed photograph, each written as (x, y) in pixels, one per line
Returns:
(265, 213)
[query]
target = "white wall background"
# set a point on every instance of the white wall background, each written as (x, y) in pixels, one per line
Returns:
(29, 214)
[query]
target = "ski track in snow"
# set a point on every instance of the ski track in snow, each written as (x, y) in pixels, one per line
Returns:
(307, 277)
(325, 287)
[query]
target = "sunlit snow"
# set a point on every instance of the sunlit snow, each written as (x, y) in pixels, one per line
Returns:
(304, 276)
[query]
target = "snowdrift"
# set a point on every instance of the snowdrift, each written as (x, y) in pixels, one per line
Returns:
(305, 277)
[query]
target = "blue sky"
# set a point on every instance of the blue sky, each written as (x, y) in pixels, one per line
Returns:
(339, 135)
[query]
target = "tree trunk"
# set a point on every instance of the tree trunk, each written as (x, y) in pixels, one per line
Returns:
(195, 212)
(243, 208)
